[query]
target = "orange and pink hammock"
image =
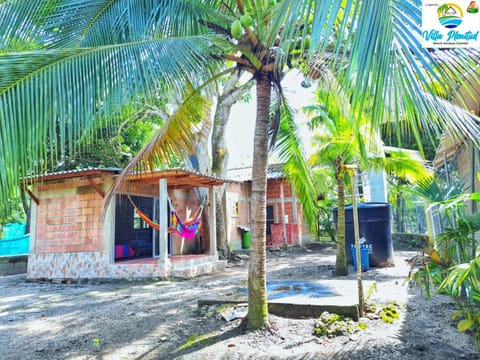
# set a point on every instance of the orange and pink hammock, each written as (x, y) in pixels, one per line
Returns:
(186, 229)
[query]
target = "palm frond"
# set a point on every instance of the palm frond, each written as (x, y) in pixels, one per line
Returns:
(175, 137)
(391, 75)
(289, 149)
(64, 91)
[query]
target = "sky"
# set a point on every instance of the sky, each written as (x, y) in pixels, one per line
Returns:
(241, 126)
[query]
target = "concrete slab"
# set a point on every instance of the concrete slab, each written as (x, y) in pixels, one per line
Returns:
(304, 299)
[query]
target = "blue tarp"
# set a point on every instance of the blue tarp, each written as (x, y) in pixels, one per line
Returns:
(13, 240)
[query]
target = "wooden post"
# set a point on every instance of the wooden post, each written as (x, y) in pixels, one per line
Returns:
(282, 202)
(163, 222)
(356, 231)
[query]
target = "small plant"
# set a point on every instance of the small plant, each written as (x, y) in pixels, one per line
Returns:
(389, 313)
(96, 342)
(463, 286)
(386, 312)
(371, 289)
(196, 339)
(332, 325)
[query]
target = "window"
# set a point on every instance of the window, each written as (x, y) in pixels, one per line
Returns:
(235, 208)
(138, 223)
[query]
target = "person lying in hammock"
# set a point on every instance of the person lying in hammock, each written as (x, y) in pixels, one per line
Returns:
(186, 229)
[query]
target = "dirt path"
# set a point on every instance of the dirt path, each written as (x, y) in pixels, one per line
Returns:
(154, 319)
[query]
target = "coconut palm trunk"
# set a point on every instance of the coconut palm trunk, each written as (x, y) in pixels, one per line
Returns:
(257, 295)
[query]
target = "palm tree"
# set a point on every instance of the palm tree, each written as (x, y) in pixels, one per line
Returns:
(95, 55)
(341, 139)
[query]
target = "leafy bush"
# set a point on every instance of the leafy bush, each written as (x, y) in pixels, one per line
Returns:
(332, 325)
(451, 266)
(462, 285)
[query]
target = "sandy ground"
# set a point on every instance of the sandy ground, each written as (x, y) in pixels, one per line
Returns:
(154, 319)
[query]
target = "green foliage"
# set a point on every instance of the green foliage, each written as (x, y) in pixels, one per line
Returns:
(463, 285)
(389, 313)
(116, 140)
(394, 136)
(371, 289)
(12, 211)
(386, 312)
(326, 225)
(450, 265)
(332, 325)
(197, 339)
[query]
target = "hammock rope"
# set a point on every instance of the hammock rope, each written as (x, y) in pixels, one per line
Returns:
(186, 229)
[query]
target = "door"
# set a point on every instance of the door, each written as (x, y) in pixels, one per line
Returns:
(131, 230)
(270, 219)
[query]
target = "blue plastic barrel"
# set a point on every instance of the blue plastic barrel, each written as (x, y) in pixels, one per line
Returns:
(364, 252)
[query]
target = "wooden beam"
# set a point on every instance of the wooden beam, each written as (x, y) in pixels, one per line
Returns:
(35, 199)
(97, 187)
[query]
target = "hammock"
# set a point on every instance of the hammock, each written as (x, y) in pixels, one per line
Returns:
(186, 229)
(190, 227)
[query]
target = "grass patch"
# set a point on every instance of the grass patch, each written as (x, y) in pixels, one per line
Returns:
(197, 339)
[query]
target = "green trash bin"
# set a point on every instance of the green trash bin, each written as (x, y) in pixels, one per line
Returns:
(246, 237)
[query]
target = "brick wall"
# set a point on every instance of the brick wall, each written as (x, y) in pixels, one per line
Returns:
(292, 208)
(238, 193)
(69, 219)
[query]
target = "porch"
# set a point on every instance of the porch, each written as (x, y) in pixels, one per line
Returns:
(74, 236)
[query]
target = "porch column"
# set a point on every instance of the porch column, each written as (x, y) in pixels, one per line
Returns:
(163, 222)
(282, 202)
(213, 221)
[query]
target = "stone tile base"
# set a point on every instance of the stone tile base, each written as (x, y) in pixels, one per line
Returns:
(98, 265)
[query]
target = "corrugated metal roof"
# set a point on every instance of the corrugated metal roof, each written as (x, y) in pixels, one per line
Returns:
(67, 174)
(274, 171)
(178, 177)
(175, 177)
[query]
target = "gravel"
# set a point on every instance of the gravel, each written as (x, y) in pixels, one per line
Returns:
(159, 319)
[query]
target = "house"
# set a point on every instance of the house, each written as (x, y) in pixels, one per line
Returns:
(285, 224)
(74, 236)
(139, 233)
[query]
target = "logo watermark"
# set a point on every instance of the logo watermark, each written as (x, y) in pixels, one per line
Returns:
(450, 24)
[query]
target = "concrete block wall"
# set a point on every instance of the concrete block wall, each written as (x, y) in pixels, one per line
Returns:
(67, 231)
(13, 265)
(241, 192)
(291, 207)
(69, 220)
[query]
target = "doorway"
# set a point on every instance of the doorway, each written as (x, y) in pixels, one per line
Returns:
(134, 238)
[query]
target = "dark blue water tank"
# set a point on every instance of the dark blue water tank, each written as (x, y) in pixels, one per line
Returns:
(375, 225)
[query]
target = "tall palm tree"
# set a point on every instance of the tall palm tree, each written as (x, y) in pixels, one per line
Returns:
(340, 139)
(96, 54)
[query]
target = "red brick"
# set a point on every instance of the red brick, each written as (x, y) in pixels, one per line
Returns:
(87, 211)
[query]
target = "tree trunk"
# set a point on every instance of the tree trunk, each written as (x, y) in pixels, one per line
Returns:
(231, 94)
(341, 261)
(257, 293)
